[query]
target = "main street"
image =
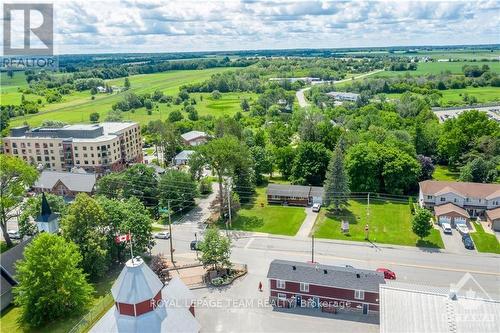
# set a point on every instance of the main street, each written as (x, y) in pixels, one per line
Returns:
(415, 265)
(238, 307)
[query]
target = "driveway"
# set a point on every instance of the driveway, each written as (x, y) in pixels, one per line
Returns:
(453, 242)
(308, 224)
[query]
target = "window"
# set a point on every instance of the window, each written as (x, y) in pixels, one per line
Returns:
(455, 200)
(280, 284)
(281, 296)
(443, 199)
(359, 294)
(304, 287)
(429, 197)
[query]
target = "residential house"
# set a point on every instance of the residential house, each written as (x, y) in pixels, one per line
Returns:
(295, 195)
(475, 198)
(414, 308)
(183, 157)
(67, 184)
(330, 288)
(144, 304)
(493, 218)
(8, 272)
(452, 214)
(101, 89)
(195, 138)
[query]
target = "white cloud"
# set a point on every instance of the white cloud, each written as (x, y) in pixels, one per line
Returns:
(174, 25)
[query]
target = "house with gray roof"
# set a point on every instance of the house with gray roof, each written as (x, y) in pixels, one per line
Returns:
(329, 288)
(295, 195)
(67, 184)
(8, 280)
(195, 138)
(183, 157)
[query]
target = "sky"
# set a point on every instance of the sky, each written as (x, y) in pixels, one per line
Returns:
(205, 25)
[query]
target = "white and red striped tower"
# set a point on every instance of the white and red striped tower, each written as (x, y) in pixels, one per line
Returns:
(144, 304)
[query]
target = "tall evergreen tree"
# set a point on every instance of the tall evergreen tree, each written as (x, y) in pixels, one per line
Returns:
(337, 181)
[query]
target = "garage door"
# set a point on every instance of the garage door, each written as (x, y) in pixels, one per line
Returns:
(444, 219)
(459, 220)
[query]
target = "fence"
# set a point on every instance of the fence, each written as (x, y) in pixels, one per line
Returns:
(93, 315)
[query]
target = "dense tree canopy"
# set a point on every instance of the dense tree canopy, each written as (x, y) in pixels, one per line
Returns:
(52, 284)
(16, 176)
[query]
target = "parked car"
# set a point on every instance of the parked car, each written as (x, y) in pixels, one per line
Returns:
(446, 227)
(463, 229)
(388, 274)
(14, 234)
(162, 235)
(195, 245)
(316, 207)
(468, 243)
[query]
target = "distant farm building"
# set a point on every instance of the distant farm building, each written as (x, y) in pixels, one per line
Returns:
(343, 96)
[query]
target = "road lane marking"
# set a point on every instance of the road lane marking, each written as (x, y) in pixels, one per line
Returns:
(307, 255)
(250, 241)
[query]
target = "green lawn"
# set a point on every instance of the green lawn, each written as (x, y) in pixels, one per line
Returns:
(485, 242)
(273, 219)
(443, 172)
(11, 314)
(389, 222)
(78, 106)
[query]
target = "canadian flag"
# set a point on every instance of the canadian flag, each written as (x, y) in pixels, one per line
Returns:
(122, 238)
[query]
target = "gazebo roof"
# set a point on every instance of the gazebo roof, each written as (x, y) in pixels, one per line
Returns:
(136, 283)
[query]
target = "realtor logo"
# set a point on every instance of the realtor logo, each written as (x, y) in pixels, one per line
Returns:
(28, 29)
(471, 289)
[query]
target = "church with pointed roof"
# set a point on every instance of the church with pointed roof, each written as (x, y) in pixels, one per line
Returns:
(47, 221)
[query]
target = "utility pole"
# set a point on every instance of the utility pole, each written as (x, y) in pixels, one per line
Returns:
(170, 231)
(229, 205)
(312, 249)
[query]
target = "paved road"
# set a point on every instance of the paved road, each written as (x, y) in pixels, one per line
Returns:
(416, 265)
(422, 266)
(302, 99)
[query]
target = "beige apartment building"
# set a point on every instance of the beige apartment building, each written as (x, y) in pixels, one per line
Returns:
(97, 148)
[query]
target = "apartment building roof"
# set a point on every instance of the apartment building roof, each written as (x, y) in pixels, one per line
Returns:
(77, 131)
(467, 189)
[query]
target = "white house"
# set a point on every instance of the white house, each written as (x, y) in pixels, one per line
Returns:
(183, 157)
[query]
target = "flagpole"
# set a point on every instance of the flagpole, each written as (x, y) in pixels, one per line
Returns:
(131, 251)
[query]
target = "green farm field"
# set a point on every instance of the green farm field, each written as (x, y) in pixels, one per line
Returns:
(78, 106)
(455, 96)
(438, 67)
